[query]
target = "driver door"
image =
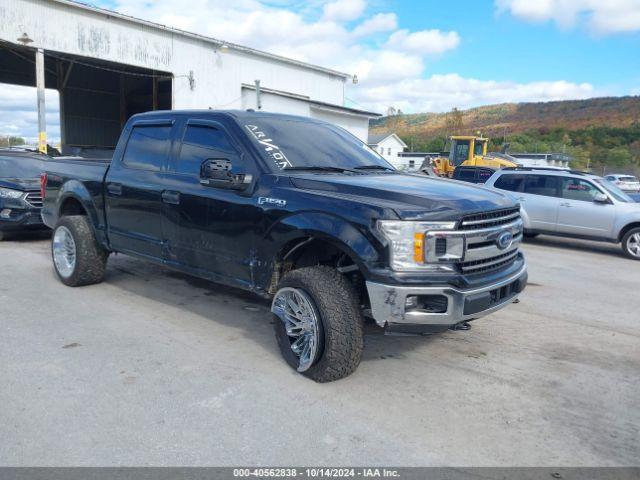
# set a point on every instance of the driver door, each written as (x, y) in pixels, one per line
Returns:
(579, 214)
(209, 227)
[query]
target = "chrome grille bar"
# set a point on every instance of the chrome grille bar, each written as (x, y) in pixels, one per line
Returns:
(489, 219)
(469, 267)
(34, 199)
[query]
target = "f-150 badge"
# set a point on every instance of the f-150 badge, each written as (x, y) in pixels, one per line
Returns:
(272, 201)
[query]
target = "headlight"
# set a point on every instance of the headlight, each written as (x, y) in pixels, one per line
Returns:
(407, 244)
(8, 193)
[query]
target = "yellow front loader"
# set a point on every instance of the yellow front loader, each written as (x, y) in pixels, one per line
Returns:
(471, 151)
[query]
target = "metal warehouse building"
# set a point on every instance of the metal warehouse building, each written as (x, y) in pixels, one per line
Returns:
(107, 66)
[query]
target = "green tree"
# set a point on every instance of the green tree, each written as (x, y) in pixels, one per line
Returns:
(11, 141)
(618, 156)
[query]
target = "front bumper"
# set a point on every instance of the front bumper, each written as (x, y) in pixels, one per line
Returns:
(389, 303)
(20, 219)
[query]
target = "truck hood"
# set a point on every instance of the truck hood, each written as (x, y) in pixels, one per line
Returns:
(412, 197)
(23, 184)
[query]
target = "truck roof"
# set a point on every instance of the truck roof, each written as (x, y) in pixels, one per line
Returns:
(237, 114)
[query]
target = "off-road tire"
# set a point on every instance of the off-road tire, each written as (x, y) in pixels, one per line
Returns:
(341, 329)
(625, 242)
(91, 258)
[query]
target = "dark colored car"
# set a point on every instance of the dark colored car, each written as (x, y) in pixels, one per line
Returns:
(473, 174)
(20, 199)
(298, 211)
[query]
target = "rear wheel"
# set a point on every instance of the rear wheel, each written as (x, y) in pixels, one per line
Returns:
(77, 257)
(631, 244)
(318, 323)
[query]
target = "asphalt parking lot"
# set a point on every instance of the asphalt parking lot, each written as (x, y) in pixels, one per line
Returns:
(156, 368)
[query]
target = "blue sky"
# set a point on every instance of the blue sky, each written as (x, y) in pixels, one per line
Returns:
(418, 56)
(511, 48)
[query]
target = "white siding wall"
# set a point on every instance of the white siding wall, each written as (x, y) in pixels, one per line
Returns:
(356, 124)
(218, 76)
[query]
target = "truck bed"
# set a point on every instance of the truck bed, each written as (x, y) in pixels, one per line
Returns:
(78, 175)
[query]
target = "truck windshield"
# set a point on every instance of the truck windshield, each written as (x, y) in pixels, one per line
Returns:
(298, 144)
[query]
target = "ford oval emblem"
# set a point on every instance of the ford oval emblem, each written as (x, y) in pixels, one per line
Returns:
(504, 240)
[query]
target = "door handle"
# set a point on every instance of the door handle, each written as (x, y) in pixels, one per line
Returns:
(568, 205)
(171, 197)
(522, 199)
(114, 189)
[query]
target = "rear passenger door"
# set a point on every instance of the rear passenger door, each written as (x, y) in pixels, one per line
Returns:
(209, 229)
(579, 214)
(541, 200)
(133, 190)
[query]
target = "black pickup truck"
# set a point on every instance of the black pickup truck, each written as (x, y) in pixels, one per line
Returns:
(296, 210)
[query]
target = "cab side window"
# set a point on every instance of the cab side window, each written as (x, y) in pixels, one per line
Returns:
(577, 189)
(544, 185)
(201, 143)
(147, 147)
(509, 182)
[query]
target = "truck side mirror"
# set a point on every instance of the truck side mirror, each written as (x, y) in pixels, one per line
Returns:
(216, 172)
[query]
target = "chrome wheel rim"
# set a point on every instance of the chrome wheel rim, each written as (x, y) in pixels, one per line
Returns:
(633, 245)
(298, 314)
(64, 252)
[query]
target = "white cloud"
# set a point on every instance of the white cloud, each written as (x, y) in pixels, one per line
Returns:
(344, 10)
(382, 22)
(600, 16)
(340, 35)
(440, 93)
(18, 115)
(424, 42)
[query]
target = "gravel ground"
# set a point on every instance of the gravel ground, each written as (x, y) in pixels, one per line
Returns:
(152, 367)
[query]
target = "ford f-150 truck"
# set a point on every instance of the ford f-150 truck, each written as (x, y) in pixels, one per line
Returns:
(298, 211)
(20, 200)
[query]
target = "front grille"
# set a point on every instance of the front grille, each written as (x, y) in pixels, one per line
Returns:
(479, 244)
(488, 264)
(489, 219)
(34, 199)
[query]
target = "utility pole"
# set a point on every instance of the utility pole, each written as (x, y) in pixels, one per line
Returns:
(42, 123)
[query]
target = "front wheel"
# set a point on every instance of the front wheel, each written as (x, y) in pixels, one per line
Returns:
(318, 323)
(631, 244)
(77, 257)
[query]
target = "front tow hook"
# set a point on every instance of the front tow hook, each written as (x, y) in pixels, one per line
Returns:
(461, 326)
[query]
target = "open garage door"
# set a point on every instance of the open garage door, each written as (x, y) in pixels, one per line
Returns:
(96, 97)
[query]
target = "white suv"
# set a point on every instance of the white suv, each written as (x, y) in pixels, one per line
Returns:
(626, 183)
(572, 204)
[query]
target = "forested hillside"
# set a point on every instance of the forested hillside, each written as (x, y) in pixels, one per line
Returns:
(599, 132)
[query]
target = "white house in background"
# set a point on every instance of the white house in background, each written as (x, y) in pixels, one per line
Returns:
(389, 145)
